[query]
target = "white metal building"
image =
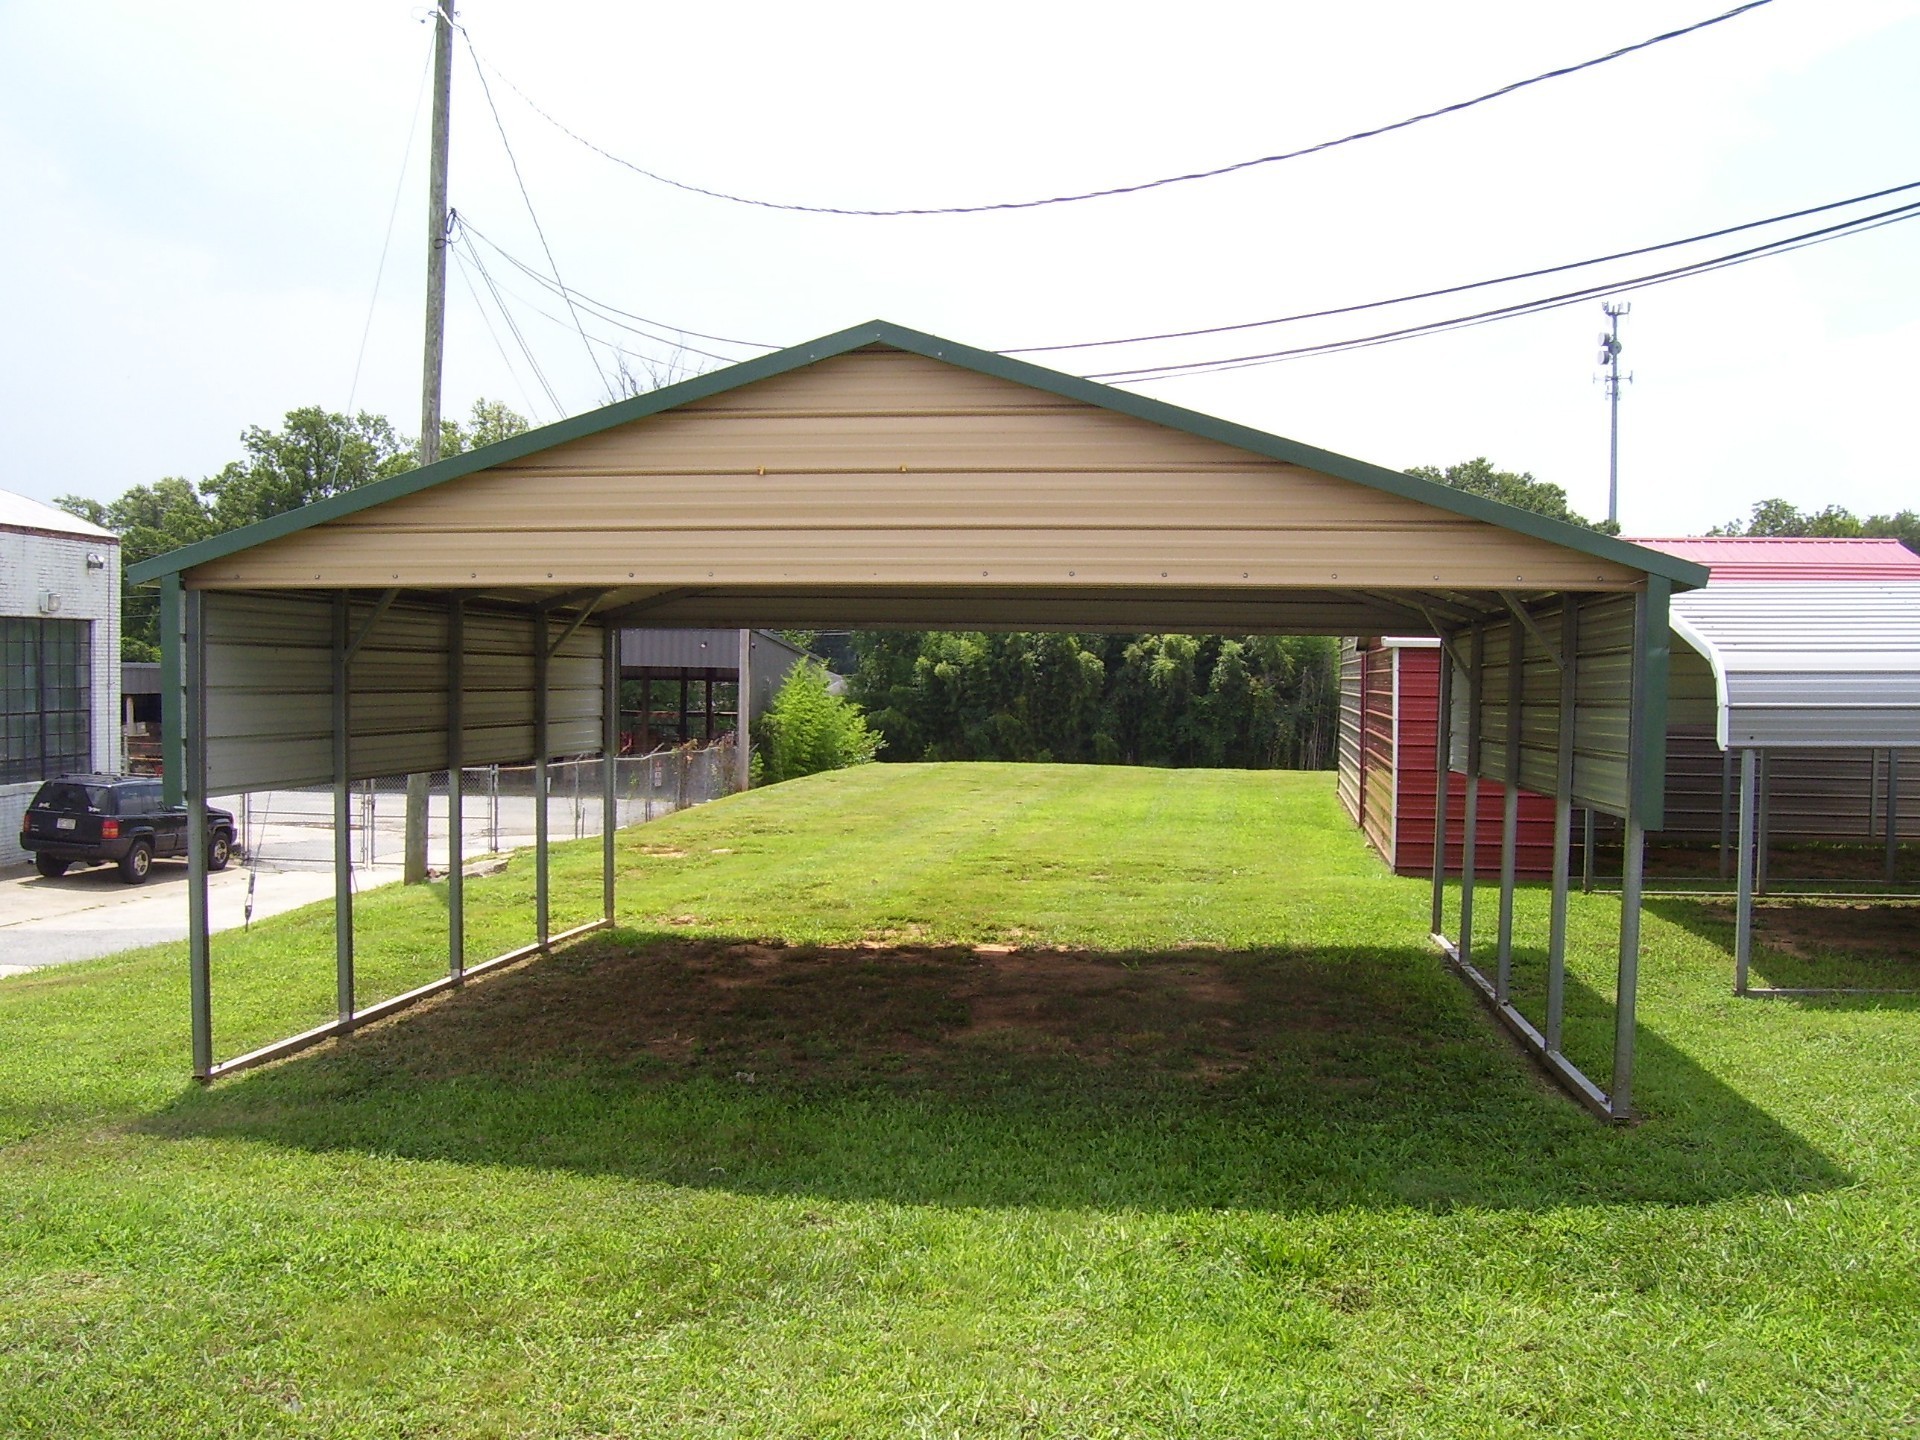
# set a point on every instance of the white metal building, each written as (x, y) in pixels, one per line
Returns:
(59, 652)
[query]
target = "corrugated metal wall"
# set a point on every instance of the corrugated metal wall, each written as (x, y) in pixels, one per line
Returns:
(1377, 749)
(1419, 691)
(270, 690)
(1348, 768)
(1604, 663)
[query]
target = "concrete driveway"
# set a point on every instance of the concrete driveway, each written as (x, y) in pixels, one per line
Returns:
(90, 912)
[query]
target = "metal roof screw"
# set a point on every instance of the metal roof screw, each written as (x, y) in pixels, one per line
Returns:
(1070, 576)
(1163, 574)
(1243, 576)
(629, 574)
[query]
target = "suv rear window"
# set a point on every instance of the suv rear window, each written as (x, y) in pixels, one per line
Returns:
(65, 797)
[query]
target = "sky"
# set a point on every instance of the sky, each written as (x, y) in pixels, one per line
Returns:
(217, 213)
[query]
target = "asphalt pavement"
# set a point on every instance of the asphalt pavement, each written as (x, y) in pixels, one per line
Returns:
(91, 912)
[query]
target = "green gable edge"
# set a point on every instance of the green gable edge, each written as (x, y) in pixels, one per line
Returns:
(1682, 573)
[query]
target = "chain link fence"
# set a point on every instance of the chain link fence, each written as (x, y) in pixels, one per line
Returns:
(293, 829)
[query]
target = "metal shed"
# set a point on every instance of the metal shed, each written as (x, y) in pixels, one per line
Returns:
(882, 476)
(1389, 698)
(1820, 666)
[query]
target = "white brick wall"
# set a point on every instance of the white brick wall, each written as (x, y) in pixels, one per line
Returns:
(33, 564)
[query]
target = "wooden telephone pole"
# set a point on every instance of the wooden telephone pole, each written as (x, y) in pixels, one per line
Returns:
(416, 839)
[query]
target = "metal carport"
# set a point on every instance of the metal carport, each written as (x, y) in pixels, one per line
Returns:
(1800, 667)
(884, 477)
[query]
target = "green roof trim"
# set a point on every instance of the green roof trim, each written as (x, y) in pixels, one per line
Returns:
(1682, 573)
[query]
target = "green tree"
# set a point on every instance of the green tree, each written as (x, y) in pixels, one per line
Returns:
(808, 729)
(315, 453)
(1784, 518)
(1509, 487)
(150, 520)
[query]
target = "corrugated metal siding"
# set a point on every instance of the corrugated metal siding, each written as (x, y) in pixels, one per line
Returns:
(270, 692)
(1824, 795)
(1376, 749)
(1810, 666)
(887, 468)
(1347, 780)
(1792, 559)
(1413, 808)
(1602, 687)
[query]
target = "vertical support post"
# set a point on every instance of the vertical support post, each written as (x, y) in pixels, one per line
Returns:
(173, 748)
(609, 765)
(1893, 815)
(456, 800)
(1442, 785)
(706, 731)
(541, 926)
(1510, 809)
(1743, 902)
(1562, 820)
(1470, 817)
(646, 715)
(1726, 813)
(342, 815)
(1640, 736)
(1763, 843)
(199, 930)
(1586, 851)
(743, 721)
(682, 737)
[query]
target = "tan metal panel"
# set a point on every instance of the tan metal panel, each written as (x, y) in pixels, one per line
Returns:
(1469, 557)
(893, 469)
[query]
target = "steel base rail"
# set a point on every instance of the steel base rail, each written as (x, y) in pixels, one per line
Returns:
(307, 1039)
(1570, 1077)
(1789, 992)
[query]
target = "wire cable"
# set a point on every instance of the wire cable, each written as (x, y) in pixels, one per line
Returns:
(1859, 225)
(585, 299)
(615, 346)
(605, 384)
(1472, 285)
(494, 335)
(1133, 189)
(513, 328)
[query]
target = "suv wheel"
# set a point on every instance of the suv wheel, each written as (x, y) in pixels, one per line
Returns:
(137, 863)
(219, 850)
(50, 866)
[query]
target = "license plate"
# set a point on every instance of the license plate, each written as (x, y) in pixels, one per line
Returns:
(66, 822)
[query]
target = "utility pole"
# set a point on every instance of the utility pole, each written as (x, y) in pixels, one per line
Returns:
(1610, 357)
(415, 870)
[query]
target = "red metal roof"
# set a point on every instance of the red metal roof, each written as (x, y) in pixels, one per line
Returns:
(1789, 558)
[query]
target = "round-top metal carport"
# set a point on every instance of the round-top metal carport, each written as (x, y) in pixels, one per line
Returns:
(465, 613)
(1830, 665)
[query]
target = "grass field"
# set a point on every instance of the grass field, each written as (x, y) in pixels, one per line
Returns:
(968, 1100)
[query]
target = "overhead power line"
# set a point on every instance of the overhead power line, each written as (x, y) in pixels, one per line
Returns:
(1517, 275)
(1215, 172)
(1856, 226)
(479, 70)
(677, 332)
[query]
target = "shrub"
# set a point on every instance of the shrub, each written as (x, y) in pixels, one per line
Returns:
(808, 729)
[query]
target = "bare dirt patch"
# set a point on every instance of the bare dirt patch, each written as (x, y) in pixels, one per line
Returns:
(796, 1012)
(1878, 930)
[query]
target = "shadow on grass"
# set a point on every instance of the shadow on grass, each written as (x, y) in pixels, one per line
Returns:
(1283, 1080)
(1808, 943)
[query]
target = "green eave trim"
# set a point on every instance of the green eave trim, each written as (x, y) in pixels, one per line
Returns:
(1682, 573)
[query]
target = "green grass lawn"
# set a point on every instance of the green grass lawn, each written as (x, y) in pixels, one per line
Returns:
(968, 1100)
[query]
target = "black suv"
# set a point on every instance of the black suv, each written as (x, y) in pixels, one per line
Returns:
(114, 819)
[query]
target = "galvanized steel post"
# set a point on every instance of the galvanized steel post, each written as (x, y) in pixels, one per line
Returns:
(1640, 737)
(1470, 816)
(1893, 815)
(342, 816)
(456, 807)
(1743, 901)
(199, 929)
(1565, 743)
(610, 763)
(540, 918)
(1510, 808)
(1443, 776)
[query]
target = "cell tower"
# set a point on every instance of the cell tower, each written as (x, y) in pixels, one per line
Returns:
(1610, 357)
